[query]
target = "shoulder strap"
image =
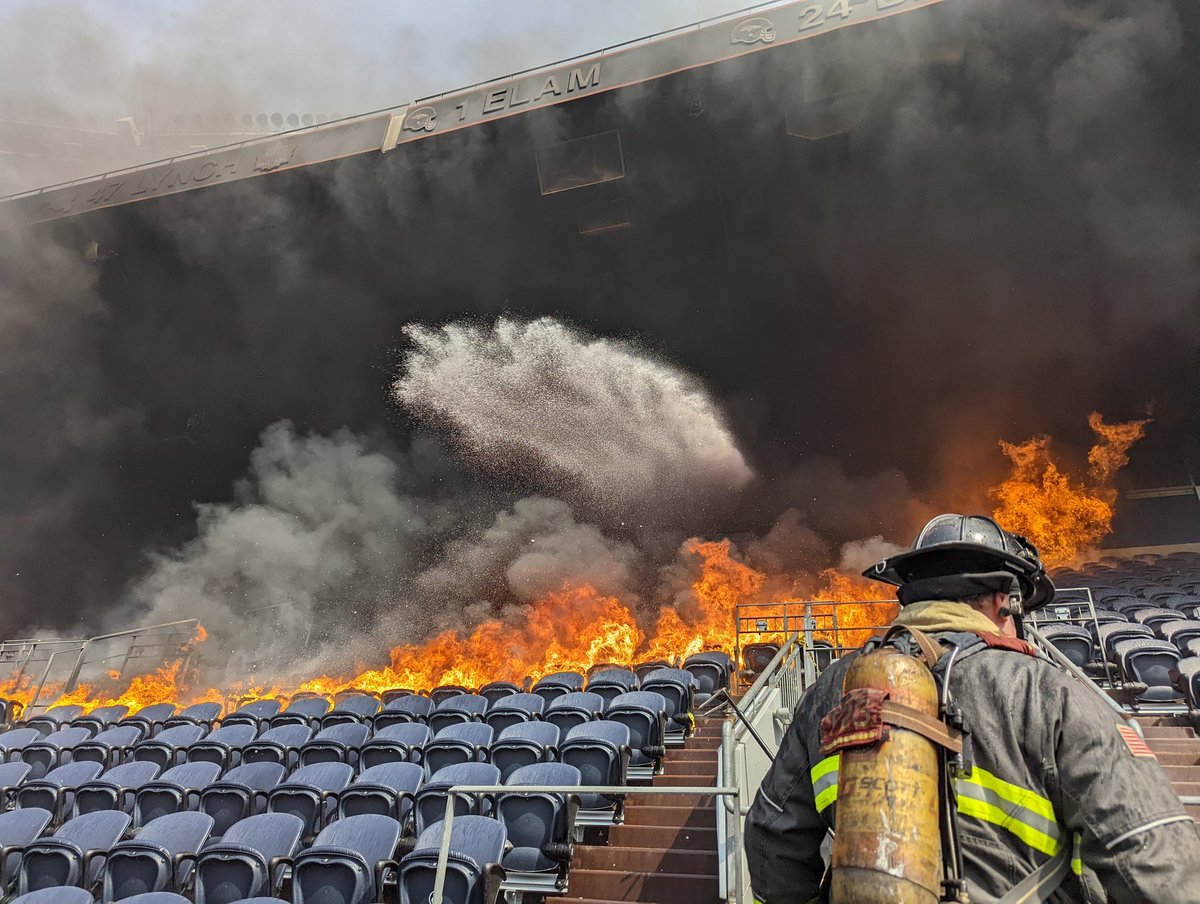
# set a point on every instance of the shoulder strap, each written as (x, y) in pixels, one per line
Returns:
(1041, 883)
(931, 651)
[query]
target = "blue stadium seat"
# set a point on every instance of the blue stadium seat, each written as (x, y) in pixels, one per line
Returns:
(12, 742)
(459, 708)
(302, 711)
(100, 718)
(169, 747)
(223, 746)
(1189, 681)
(412, 708)
(463, 742)
(108, 747)
(473, 873)
(357, 709)
(642, 669)
(1150, 662)
(496, 690)
(52, 750)
(17, 829)
(756, 657)
(430, 805)
(524, 744)
(115, 789)
(246, 861)
(279, 745)
(151, 718)
(59, 860)
(540, 827)
(513, 709)
(342, 864)
(710, 671)
(54, 718)
(1152, 618)
(259, 714)
(644, 713)
(158, 858)
(55, 791)
(402, 742)
(677, 687)
(53, 895)
(204, 714)
(444, 692)
(387, 790)
(1179, 632)
(601, 752)
(1072, 641)
(176, 789)
(11, 776)
(558, 683)
(395, 693)
(240, 792)
(310, 794)
(575, 708)
(335, 744)
(609, 683)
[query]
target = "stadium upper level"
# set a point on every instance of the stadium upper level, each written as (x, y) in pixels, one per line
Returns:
(828, 99)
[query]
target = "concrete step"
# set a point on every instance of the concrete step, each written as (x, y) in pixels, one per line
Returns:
(1173, 745)
(1168, 731)
(1178, 759)
(1186, 789)
(689, 767)
(649, 860)
(695, 817)
(666, 800)
(622, 885)
(700, 744)
(685, 781)
(1193, 811)
(663, 837)
(1182, 773)
(689, 754)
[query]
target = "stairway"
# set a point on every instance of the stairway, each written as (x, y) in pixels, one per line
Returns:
(666, 850)
(1177, 747)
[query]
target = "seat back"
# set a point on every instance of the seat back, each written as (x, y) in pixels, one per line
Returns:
(55, 791)
(514, 708)
(301, 711)
(600, 751)
(757, 656)
(459, 708)
(176, 789)
(11, 776)
(557, 684)
(257, 714)
(57, 861)
(278, 745)
(169, 746)
(444, 692)
(461, 742)
(339, 868)
(476, 845)
(223, 745)
(431, 799)
(241, 792)
(1072, 641)
(397, 743)
(1153, 663)
(497, 690)
(533, 820)
(239, 865)
(411, 708)
(359, 708)
(337, 743)
(577, 707)
(101, 717)
(386, 789)
(52, 750)
(310, 792)
(644, 714)
(524, 744)
(114, 789)
(17, 829)
(204, 714)
(15, 740)
(150, 718)
(146, 862)
(108, 747)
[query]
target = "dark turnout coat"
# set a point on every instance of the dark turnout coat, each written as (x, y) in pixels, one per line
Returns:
(1051, 768)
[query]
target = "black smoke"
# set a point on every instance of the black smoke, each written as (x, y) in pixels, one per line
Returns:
(1000, 236)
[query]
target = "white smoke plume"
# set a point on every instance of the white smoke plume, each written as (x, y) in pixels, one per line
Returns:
(859, 555)
(627, 430)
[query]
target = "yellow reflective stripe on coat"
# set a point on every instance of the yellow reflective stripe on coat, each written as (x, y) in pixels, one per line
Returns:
(982, 796)
(1077, 854)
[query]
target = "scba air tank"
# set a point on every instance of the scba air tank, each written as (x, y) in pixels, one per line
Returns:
(887, 846)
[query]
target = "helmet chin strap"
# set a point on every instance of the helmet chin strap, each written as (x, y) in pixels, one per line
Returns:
(1015, 609)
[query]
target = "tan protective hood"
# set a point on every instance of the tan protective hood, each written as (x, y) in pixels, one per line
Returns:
(945, 615)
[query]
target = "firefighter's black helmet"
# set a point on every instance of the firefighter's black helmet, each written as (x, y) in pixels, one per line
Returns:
(962, 555)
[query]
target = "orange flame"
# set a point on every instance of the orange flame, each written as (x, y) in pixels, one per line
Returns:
(1064, 517)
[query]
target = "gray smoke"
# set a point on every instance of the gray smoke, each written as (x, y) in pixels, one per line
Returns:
(635, 434)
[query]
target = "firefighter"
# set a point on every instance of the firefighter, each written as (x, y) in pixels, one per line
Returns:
(1061, 792)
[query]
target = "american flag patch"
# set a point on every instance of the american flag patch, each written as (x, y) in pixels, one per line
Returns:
(1134, 742)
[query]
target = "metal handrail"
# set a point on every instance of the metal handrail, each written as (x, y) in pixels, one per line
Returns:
(439, 881)
(131, 633)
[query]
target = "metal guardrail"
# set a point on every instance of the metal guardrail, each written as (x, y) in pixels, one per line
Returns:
(439, 882)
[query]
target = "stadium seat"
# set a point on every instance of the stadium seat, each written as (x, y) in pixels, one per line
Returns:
(524, 744)
(240, 792)
(403, 742)
(101, 718)
(11, 776)
(1154, 617)
(108, 747)
(459, 708)
(114, 789)
(54, 718)
(279, 745)
(151, 718)
(1110, 635)
(557, 684)
(302, 711)
(387, 789)
(357, 709)
(223, 746)
(540, 827)
(644, 713)
(259, 714)
(473, 872)
(710, 672)
(169, 747)
(444, 692)
(158, 858)
(676, 686)
(335, 744)
(513, 709)
(1189, 681)
(575, 708)
(174, 790)
(406, 709)
(756, 657)
(1179, 632)
(60, 860)
(52, 750)
(204, 714)
(395, 693)
(642, 669)
(17, 829)
(342, 864)
(495, 690)
(310, 794)
(53, 895)
(1072, 641)
(601, 752)
(1150, 662)
(246, 862)
(609, 683)
(55, 791)
(156, 897)
(463, 742)
(12, 742)
(430, 805)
